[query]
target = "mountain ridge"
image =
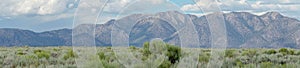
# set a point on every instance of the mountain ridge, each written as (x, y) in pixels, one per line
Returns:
(270, 30)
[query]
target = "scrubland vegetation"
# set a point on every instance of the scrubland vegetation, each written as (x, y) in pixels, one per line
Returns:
(64, 57)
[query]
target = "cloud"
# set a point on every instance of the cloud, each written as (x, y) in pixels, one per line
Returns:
(286, 7)
(34, 7)
(246, 5)
(116, 6)
(190, 7)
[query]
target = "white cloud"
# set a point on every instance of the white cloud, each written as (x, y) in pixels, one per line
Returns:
(190, 7)
(33, 7)
(115, 6)
(246, 5)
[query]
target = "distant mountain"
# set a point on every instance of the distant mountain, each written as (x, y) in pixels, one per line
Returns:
(244, 30)
(18, 37)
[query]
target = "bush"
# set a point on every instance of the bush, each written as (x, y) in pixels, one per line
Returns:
(42, 54)
(249, 53)
(291, 52)
(146, 51)
(174, 53)
(298, 53)
(270, 52)
(69, 54)
(203, 58)
(284, 51)
(266, 65)
(229, 53)
(101, 55)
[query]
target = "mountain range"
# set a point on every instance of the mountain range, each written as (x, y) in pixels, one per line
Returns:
(244, 30)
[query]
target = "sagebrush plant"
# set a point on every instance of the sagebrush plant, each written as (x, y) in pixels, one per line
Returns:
(64, 57)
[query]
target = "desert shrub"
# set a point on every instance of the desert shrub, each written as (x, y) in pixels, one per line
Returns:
(108, 48)
(42, 53)
(174, 53)
(298, 53)
(146, 51)
(101, 55)
(291, 52)
(230, 53)
(228, 63)
(272, 51)
(56, 49)
(250, 66)
(69, 54)
(204, 58)
(165, 64)
(132, 47)
(249, 53)
(284, 51)
(107, 64)
(263, 58)
(266, 65)
(206, 50)
(238, 63)
(21, 53)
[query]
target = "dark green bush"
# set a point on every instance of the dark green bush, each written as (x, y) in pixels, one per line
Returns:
(284, 51)
(291, 52)
(272, 51)
(174, 53)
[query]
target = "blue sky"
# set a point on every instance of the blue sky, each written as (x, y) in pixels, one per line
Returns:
(45, 15)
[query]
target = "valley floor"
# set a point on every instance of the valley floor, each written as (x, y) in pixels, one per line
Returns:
(64, 57)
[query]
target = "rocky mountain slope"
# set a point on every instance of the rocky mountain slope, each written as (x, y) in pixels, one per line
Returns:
(270, 30)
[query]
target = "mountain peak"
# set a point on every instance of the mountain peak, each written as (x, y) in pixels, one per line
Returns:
(110, 22)
(169, 12)
(273, 15)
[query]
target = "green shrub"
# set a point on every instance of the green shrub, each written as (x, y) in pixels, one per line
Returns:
(174, 53)
(69, 54)
(249, 53)
(42, 54)
(298, 53)
(272, 51)
(238, 63)
(146, 51)
(284, 51)
(229, 53)
(203, 58)
(101, 55)
(291, 52)
(20, 53)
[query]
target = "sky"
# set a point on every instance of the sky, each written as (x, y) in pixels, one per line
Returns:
(46, 15)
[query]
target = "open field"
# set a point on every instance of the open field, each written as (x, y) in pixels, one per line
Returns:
(64, 57)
